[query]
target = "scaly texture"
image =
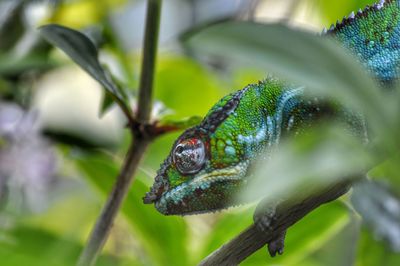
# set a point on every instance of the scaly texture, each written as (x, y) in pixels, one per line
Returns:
(373, 34)
(210, 162)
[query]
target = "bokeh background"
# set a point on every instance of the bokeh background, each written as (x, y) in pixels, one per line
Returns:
(60, 153)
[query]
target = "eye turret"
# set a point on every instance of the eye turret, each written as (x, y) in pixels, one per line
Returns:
(189, 156)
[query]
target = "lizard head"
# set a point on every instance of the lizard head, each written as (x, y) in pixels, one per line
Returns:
(205, 166)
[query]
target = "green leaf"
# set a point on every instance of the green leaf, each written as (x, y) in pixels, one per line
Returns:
(10, 66)
(83, 52)
(25, 246)
(186, 87)
(107, 102)
(180, 124)
(332, 10)
(388, 171)
(108, 99)
(2, 142)
(319, 63)
(371, 252)
(118, 84)
(338, 249)
(380, 210)
(311, 161)
(227, 227)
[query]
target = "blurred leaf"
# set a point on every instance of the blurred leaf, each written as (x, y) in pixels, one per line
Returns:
(372, 253)
(107, 102)
(318, 158)
(11, 23)
(10, 66)
(336, 10)
(322, 66)
(179, 124)
(25, 246)
(79, 14)
(341, 247)
(2, 141)
(84, 13)
(388, 171)
(186, 87)
(227, 227)
(162, 237)
(118, 83)
(318, 63)
(72, 139)
(83, 52)
(380, 210)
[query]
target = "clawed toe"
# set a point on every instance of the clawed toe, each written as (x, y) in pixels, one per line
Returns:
(264, 219)
(277, 245)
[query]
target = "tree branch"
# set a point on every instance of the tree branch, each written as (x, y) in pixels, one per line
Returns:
(251, 239)
(141, 139)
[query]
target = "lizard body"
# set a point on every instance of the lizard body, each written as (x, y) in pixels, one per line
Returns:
(210, 162)
(233, 133)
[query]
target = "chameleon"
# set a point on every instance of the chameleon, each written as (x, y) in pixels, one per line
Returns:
(210, 162)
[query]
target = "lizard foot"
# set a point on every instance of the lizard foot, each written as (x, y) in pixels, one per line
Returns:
(277, 245)
(264, 217)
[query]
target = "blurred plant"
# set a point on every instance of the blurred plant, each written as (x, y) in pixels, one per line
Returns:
(329, 235)
(85, 54)
(320, 157)
(27, 160)
(380, 210)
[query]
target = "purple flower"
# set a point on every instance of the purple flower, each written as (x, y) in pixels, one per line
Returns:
(27, 160)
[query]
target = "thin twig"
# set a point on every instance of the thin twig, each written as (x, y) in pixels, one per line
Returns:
(148, 61)
(105, 221)
(251, 239)
(141, 139)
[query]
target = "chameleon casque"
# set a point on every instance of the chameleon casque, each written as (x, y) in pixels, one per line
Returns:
(210, 162)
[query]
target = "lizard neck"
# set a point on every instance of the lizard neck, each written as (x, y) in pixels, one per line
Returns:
(287, 114)
(258, 117)
(276, 114)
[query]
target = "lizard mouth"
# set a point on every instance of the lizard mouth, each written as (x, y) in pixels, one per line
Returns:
(160, 185)
(156, 191)
(204, 193)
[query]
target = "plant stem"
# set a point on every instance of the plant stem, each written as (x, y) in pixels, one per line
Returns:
(140, 141)
(149, 59)
(104, 223)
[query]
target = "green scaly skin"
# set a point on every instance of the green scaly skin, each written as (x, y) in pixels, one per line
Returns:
(210, 162)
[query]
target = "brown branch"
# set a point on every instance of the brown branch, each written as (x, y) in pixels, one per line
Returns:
(251, 239)
(105, 221)
(141, 139)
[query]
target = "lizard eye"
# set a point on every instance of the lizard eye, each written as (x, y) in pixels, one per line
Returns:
(189, 156)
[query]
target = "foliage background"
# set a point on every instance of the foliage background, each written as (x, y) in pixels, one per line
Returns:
(49, 116)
